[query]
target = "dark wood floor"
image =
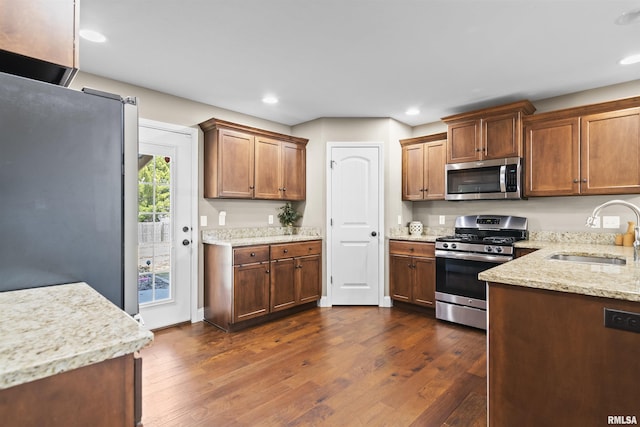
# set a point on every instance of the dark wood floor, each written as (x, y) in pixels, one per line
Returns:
(340, 366)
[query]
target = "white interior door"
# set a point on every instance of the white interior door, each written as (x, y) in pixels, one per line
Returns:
(355, 225)
(164, 227)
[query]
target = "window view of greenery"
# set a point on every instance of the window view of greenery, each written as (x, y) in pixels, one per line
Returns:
(154, 228)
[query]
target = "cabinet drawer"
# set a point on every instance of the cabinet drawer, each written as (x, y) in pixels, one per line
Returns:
(412, 248)
(250, 254)
(289, 250)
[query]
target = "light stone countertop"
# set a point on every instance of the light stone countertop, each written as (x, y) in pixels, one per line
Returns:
(49, 330)
(262, 240)
(410, 238)
(536, 270)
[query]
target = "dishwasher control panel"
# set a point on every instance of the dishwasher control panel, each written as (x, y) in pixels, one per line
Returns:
(625, 320)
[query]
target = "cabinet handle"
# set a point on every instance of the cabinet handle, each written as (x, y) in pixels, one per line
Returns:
(575, 181)
(279, 188)
(286, 251)
(284, 188)
(584, 179)
(411, 249)
(267, 271)
(252, 254)
(251, 187)
(478, 150)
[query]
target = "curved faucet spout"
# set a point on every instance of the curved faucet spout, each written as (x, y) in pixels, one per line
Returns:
(591, 222)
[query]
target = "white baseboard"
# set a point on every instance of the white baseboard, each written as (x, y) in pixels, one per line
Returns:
(199, 316)
(324, 302)
(386, 302)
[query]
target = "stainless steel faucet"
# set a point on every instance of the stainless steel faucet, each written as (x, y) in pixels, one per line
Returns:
(591, 222)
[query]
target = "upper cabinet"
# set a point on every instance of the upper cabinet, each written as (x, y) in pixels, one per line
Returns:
(491, 133)
(423, 160)
(249, 163)
(594, 149)
(38, 39)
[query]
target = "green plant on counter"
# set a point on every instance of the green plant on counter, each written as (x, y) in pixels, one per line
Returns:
(288, 215)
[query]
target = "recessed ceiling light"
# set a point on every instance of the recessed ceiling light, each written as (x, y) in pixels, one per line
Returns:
(631, 59)
(412, 112)
(93, 36)
(270, 99)
(630, 17)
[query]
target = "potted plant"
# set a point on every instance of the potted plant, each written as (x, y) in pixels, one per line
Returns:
(287, 216)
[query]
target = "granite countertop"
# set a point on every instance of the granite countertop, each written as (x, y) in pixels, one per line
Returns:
(536, 270)
(50, 330)
(261, 240)
(410, 238)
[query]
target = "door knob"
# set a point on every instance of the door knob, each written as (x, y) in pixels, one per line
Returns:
(185, 228)
(186, 242)
(374, 234)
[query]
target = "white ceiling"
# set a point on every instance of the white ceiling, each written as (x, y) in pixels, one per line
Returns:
(360, 58)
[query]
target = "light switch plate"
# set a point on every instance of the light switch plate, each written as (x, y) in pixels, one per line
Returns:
(441, 220)
(203, 220)
(270, 219)
(610, 222)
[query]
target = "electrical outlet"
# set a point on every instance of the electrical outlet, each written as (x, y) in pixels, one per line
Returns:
(222, 218)
(270, 219)
(441, 220)
(610, 222)
(596, 222)
(625, 320)
(203, 220)
(399, 219)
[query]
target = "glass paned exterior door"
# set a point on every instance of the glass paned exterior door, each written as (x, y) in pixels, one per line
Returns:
(154, 228)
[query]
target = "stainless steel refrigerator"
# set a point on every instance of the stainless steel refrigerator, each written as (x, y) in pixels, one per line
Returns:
(68, 189)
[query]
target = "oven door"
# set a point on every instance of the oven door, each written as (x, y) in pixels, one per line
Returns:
(457, 273)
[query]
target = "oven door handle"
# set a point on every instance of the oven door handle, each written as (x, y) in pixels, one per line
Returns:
(498, 259)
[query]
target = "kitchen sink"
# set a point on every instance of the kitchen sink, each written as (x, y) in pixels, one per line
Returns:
(589, 259)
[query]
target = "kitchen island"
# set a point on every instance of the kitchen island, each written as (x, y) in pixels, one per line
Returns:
(551, 360)
(67, 358)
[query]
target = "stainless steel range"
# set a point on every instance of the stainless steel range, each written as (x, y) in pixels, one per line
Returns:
(480, 242)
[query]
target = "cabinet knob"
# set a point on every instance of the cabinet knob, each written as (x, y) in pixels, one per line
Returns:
(252, 254)
(284, 188)
(267, 271)
(584, 179)
(575, 181)
(251, 187)
(286, 251)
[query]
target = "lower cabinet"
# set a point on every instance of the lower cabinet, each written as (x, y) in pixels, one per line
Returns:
(250, 284)
(412, 272)
(103, 394)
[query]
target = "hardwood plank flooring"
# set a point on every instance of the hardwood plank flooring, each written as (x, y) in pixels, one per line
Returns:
(339, 366)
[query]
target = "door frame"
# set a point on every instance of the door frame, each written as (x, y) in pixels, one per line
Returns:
(326, 301)
(195, 316)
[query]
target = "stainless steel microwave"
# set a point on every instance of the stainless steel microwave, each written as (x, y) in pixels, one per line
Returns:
(484, 180)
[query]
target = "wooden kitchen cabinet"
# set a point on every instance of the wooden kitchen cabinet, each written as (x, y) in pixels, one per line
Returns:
(412, 272)
(249, 163)
(587, 150)
(103, 394)
(253, 284)
(423, 160)
(491, 133)
(39, 39)
(295, 274)
(280, 169)
(551, 355)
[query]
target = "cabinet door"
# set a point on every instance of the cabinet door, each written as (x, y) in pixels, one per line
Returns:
(464, 142)
(40, 29)
(250, 291)
(424, 288)
(413, 172)
(283, 288)
(294, 171)
(268, 180)
(400, 277)
(552, 158)
(435, 156)
(610, 152)
(234, 165)
(501, 136)
(308, 278)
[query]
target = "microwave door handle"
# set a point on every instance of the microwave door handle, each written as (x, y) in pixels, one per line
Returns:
(503, 179)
